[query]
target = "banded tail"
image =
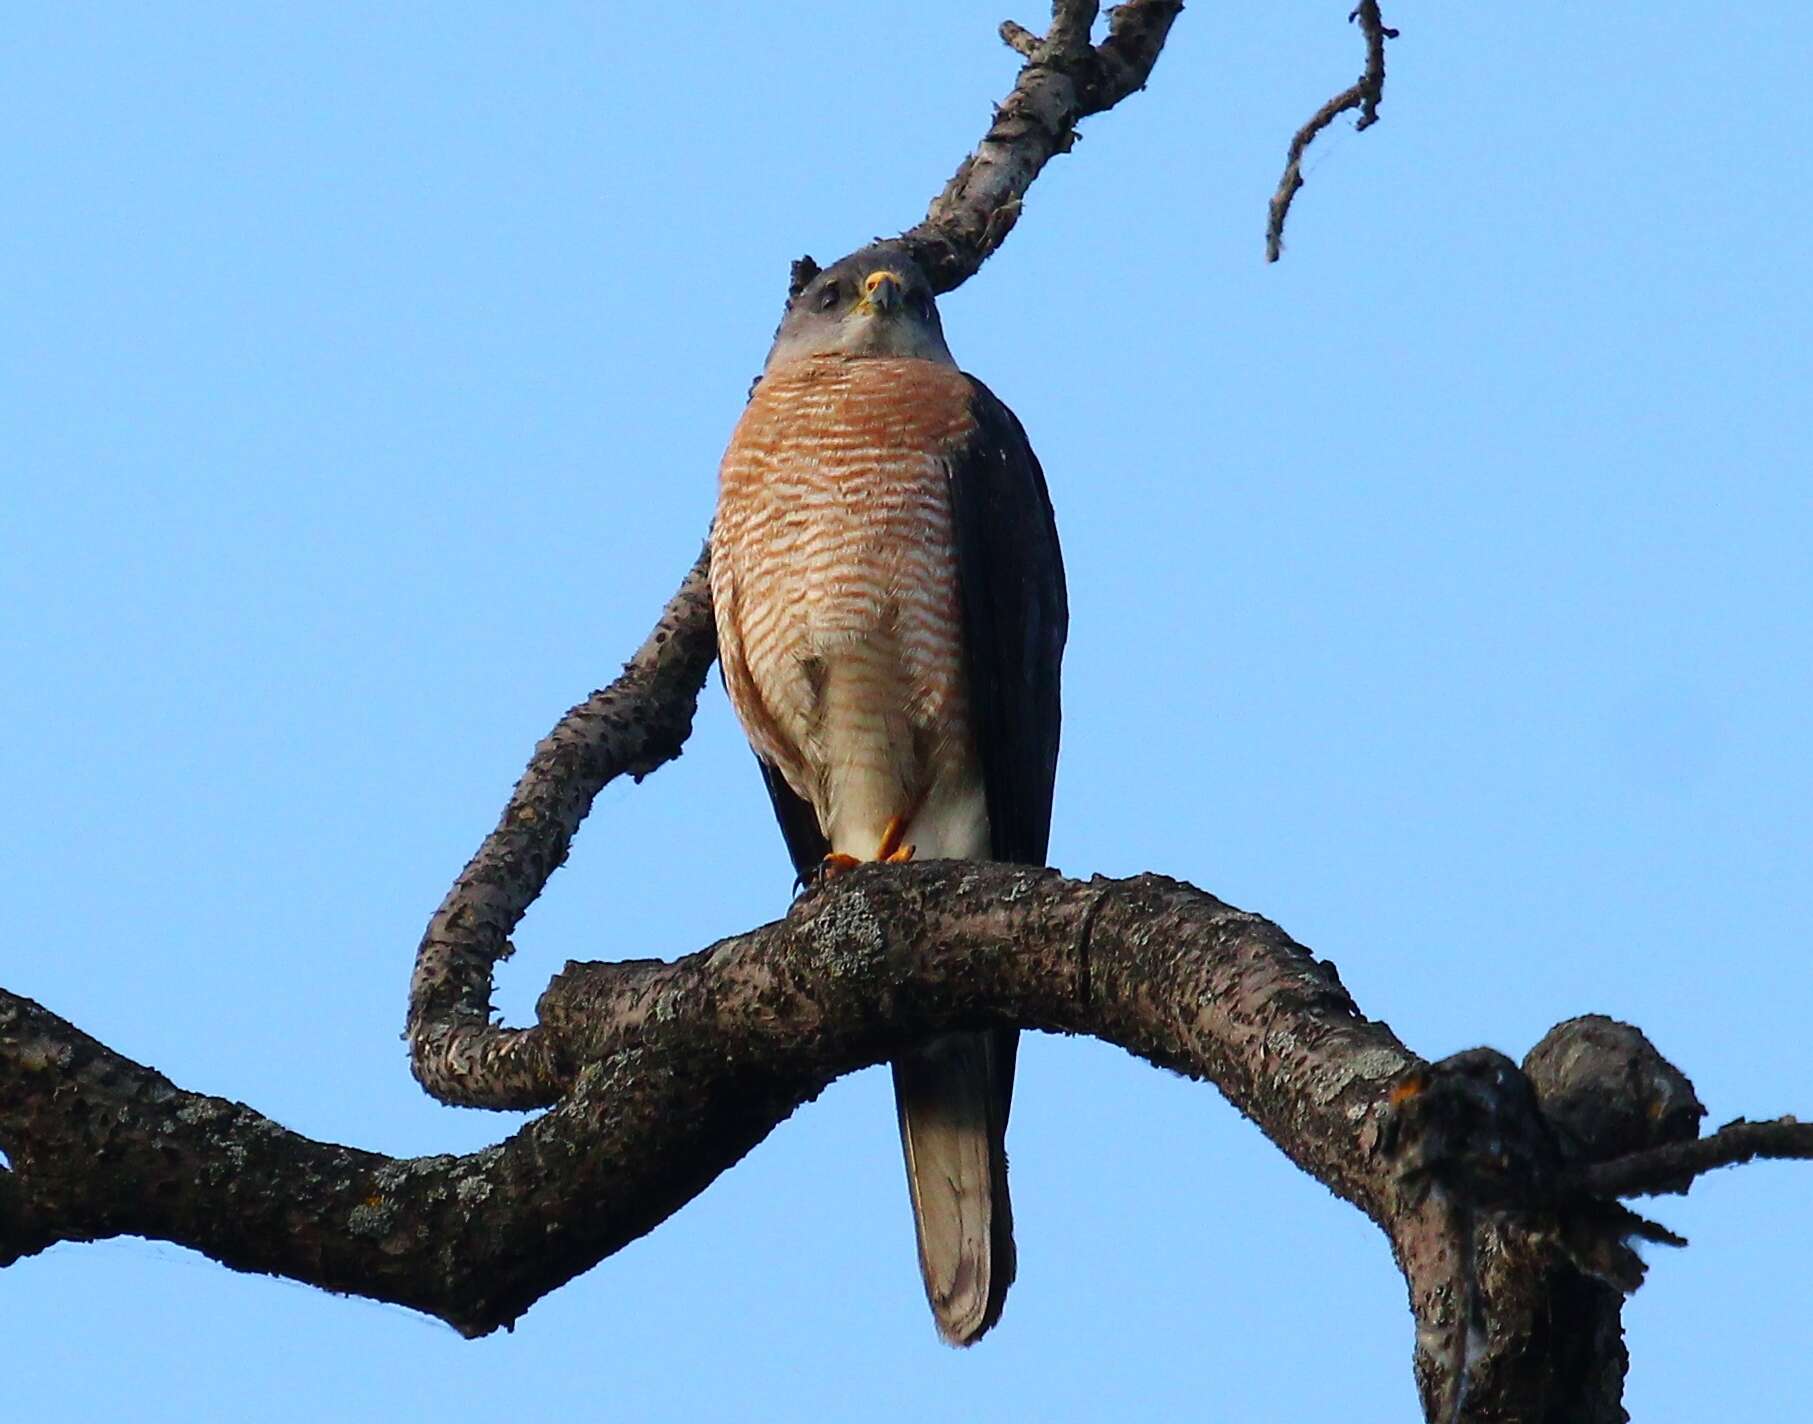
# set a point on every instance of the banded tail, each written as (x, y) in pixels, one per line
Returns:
(952, 1093)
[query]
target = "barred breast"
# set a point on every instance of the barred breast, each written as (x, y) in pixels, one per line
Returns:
(835, 587)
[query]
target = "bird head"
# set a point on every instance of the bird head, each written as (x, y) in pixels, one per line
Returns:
(875, 302)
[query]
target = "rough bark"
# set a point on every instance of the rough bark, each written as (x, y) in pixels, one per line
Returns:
(1065, 80)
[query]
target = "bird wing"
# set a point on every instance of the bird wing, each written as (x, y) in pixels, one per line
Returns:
(1010, 583)
(806, 843)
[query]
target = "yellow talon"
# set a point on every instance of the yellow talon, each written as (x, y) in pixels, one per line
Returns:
(836, 863)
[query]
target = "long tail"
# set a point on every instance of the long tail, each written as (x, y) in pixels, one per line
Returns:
(953, 1094)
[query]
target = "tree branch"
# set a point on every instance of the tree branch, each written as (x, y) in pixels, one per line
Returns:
(1365, 94)
(102, 1146)
(635, 725)
(1667, 1169)
(692, 1064)
(1065, 79)
(1516, 1249)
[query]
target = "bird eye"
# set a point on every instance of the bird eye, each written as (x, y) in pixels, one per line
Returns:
(829, 297)
(921, 303)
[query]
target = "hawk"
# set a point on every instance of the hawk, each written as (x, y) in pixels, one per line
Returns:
(891, 617)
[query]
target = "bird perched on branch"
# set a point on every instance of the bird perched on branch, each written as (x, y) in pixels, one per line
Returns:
(891, 617)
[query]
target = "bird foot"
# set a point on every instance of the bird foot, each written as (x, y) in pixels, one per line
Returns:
(890, 851)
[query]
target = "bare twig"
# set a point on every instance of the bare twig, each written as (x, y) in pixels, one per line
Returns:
(1671, 1167)
(1365, 94)
(1018, 38)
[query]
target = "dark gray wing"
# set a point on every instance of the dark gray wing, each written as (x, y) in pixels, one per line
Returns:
(1010, 582)
(806, 843)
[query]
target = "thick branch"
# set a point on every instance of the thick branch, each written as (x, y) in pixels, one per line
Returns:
(1065, 80)
(1520, 1256)
(1365, 94)
(887, 955)
(694, 1062)
(102, 1146)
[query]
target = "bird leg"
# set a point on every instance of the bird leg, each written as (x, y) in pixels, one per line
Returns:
(891, 849)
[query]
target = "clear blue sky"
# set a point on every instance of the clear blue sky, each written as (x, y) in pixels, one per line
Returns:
(1442, 593)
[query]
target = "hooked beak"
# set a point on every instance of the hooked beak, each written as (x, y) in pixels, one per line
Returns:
(883, 292)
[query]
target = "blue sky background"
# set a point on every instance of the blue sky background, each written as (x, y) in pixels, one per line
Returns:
(1442, 593)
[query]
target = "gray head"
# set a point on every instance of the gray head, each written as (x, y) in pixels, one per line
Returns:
(873, 303)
